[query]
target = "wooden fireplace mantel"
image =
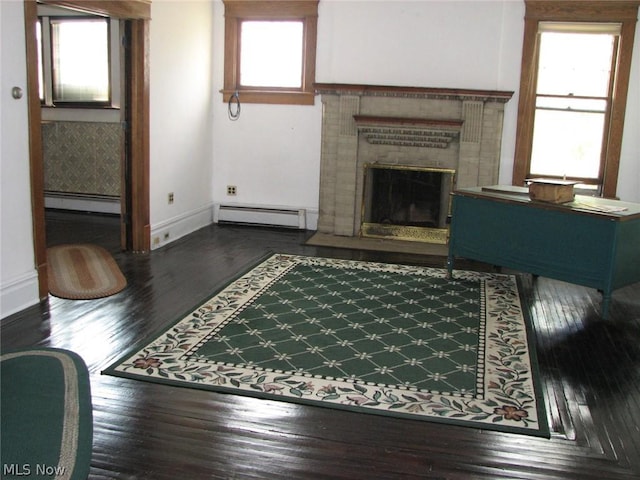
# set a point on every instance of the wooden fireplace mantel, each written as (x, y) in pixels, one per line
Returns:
(407, 121)
(412, 92)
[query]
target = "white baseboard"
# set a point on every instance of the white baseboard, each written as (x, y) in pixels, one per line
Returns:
(312, 218)
(174, 228)
(18, 293)
(83, 204)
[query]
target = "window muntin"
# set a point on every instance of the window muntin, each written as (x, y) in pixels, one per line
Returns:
(80, 60)
(271, 54)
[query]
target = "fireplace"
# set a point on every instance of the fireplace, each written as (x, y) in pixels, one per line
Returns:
(406, 203)
(444, 138)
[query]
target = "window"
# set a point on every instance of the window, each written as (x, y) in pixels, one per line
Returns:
(270, 51)
(74, 61)
(572, 99)
(271, 54)
(575, 73)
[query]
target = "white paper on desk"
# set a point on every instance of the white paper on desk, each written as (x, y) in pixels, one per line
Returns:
(598, 208)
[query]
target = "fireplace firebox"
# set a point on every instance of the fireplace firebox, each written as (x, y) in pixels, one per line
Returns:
(407, 203)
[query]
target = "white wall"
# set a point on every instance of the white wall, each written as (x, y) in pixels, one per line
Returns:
(180, 137)
(454, 44)
(271, 153)
(18, 279)
(181, 118)
(448, 44)
(439, 43)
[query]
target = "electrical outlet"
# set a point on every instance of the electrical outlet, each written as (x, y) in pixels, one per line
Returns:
(170, 198)
(231, 190)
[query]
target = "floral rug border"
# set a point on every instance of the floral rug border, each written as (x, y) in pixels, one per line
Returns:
(507, 400)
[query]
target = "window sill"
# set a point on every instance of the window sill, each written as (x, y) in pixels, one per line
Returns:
(81, 106)
(271, 97)
(101, 114)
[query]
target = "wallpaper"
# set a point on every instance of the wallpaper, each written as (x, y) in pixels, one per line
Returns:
(82, 157)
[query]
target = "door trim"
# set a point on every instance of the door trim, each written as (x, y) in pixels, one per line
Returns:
(138, 12)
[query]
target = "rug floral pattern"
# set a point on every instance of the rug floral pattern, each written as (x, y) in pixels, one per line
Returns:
(451, 350)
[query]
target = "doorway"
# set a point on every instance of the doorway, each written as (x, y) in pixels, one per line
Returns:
(134, 228)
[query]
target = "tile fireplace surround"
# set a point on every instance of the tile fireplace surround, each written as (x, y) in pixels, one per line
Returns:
(414, 127)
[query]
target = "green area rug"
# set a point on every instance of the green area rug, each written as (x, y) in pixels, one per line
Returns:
(370, 337)
(46, 415)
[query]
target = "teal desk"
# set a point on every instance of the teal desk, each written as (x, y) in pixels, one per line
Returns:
(593, 242)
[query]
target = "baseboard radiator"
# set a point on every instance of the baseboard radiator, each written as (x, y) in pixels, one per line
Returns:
(258, 215)
(82, 202)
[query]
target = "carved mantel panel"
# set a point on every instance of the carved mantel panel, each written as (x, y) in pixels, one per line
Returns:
(408, 132)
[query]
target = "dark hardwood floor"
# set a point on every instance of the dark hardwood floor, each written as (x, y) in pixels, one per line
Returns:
(590, 370)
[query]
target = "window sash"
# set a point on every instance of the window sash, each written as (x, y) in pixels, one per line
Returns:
(572, 89)
(571, 63)
(573, 153)
(271, 54)
(80, 61)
